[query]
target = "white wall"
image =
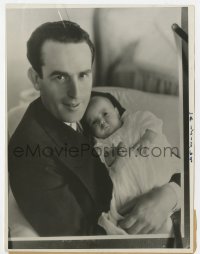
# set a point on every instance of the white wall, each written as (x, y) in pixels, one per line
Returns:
(20, 23)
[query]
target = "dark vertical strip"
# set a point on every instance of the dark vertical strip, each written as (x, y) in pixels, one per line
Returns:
(184, 21)
(97, 42)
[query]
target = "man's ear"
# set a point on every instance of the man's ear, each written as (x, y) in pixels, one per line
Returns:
(34, 78)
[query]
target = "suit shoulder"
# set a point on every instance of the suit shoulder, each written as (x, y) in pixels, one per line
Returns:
(29, 127)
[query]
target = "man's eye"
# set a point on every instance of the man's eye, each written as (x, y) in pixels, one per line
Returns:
(60, 77)
(105, 114)
(83, 75)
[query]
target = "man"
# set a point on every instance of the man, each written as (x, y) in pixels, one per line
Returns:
(57, 179)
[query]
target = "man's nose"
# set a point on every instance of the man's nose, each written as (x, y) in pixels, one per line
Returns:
(74, 88)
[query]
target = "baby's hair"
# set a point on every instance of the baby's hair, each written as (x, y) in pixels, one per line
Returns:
(108, 96)
(112, 99)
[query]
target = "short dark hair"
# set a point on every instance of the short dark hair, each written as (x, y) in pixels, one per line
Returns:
(61, 31)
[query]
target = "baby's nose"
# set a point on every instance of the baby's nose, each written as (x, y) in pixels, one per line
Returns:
(103, 122)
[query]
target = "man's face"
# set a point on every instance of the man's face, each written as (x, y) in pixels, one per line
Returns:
(66, 84)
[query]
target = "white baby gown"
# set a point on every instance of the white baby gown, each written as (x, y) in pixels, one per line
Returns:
(135, 175)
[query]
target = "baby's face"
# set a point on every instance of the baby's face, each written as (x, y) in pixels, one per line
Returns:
(102, 117)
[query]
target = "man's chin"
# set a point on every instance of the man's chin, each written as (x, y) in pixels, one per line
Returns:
(72, 117)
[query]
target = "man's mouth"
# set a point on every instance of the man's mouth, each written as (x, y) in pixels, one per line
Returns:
(72, 106)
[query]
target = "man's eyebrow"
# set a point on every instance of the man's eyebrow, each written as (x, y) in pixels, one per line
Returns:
(54, 73)
(86, 71)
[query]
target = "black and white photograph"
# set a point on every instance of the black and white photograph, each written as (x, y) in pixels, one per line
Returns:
(100, 126)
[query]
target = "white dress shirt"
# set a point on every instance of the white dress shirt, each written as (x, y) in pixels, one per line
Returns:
(72, 125)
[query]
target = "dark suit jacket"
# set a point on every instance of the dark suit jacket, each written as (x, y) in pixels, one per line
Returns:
(59, 193)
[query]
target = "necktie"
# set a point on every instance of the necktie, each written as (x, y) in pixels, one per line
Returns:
(75, 126)
(79, 127)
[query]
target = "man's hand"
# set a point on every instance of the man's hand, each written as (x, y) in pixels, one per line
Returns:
(146, 213)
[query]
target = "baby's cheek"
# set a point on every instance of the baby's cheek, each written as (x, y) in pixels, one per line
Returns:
(95, 131)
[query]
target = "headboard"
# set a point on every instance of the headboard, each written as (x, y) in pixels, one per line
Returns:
(136, 48)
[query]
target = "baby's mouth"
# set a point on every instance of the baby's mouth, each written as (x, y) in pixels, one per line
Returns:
(106, 127)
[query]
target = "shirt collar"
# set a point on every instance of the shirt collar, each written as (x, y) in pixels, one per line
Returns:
(72, 125)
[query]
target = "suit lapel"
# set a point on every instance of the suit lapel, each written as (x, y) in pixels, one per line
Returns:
(70, 147)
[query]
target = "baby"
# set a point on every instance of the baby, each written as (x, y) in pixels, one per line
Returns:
(136, 169)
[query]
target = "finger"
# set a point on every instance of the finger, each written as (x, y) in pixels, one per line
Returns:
(121, 144)
(128, 221)
(125, 209)
(146, 230)
(121, 149)
(128, 207)
(122, 153)
(136, 228)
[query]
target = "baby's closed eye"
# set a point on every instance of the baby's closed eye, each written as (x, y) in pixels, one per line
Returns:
(106, 114)
(95, 123)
